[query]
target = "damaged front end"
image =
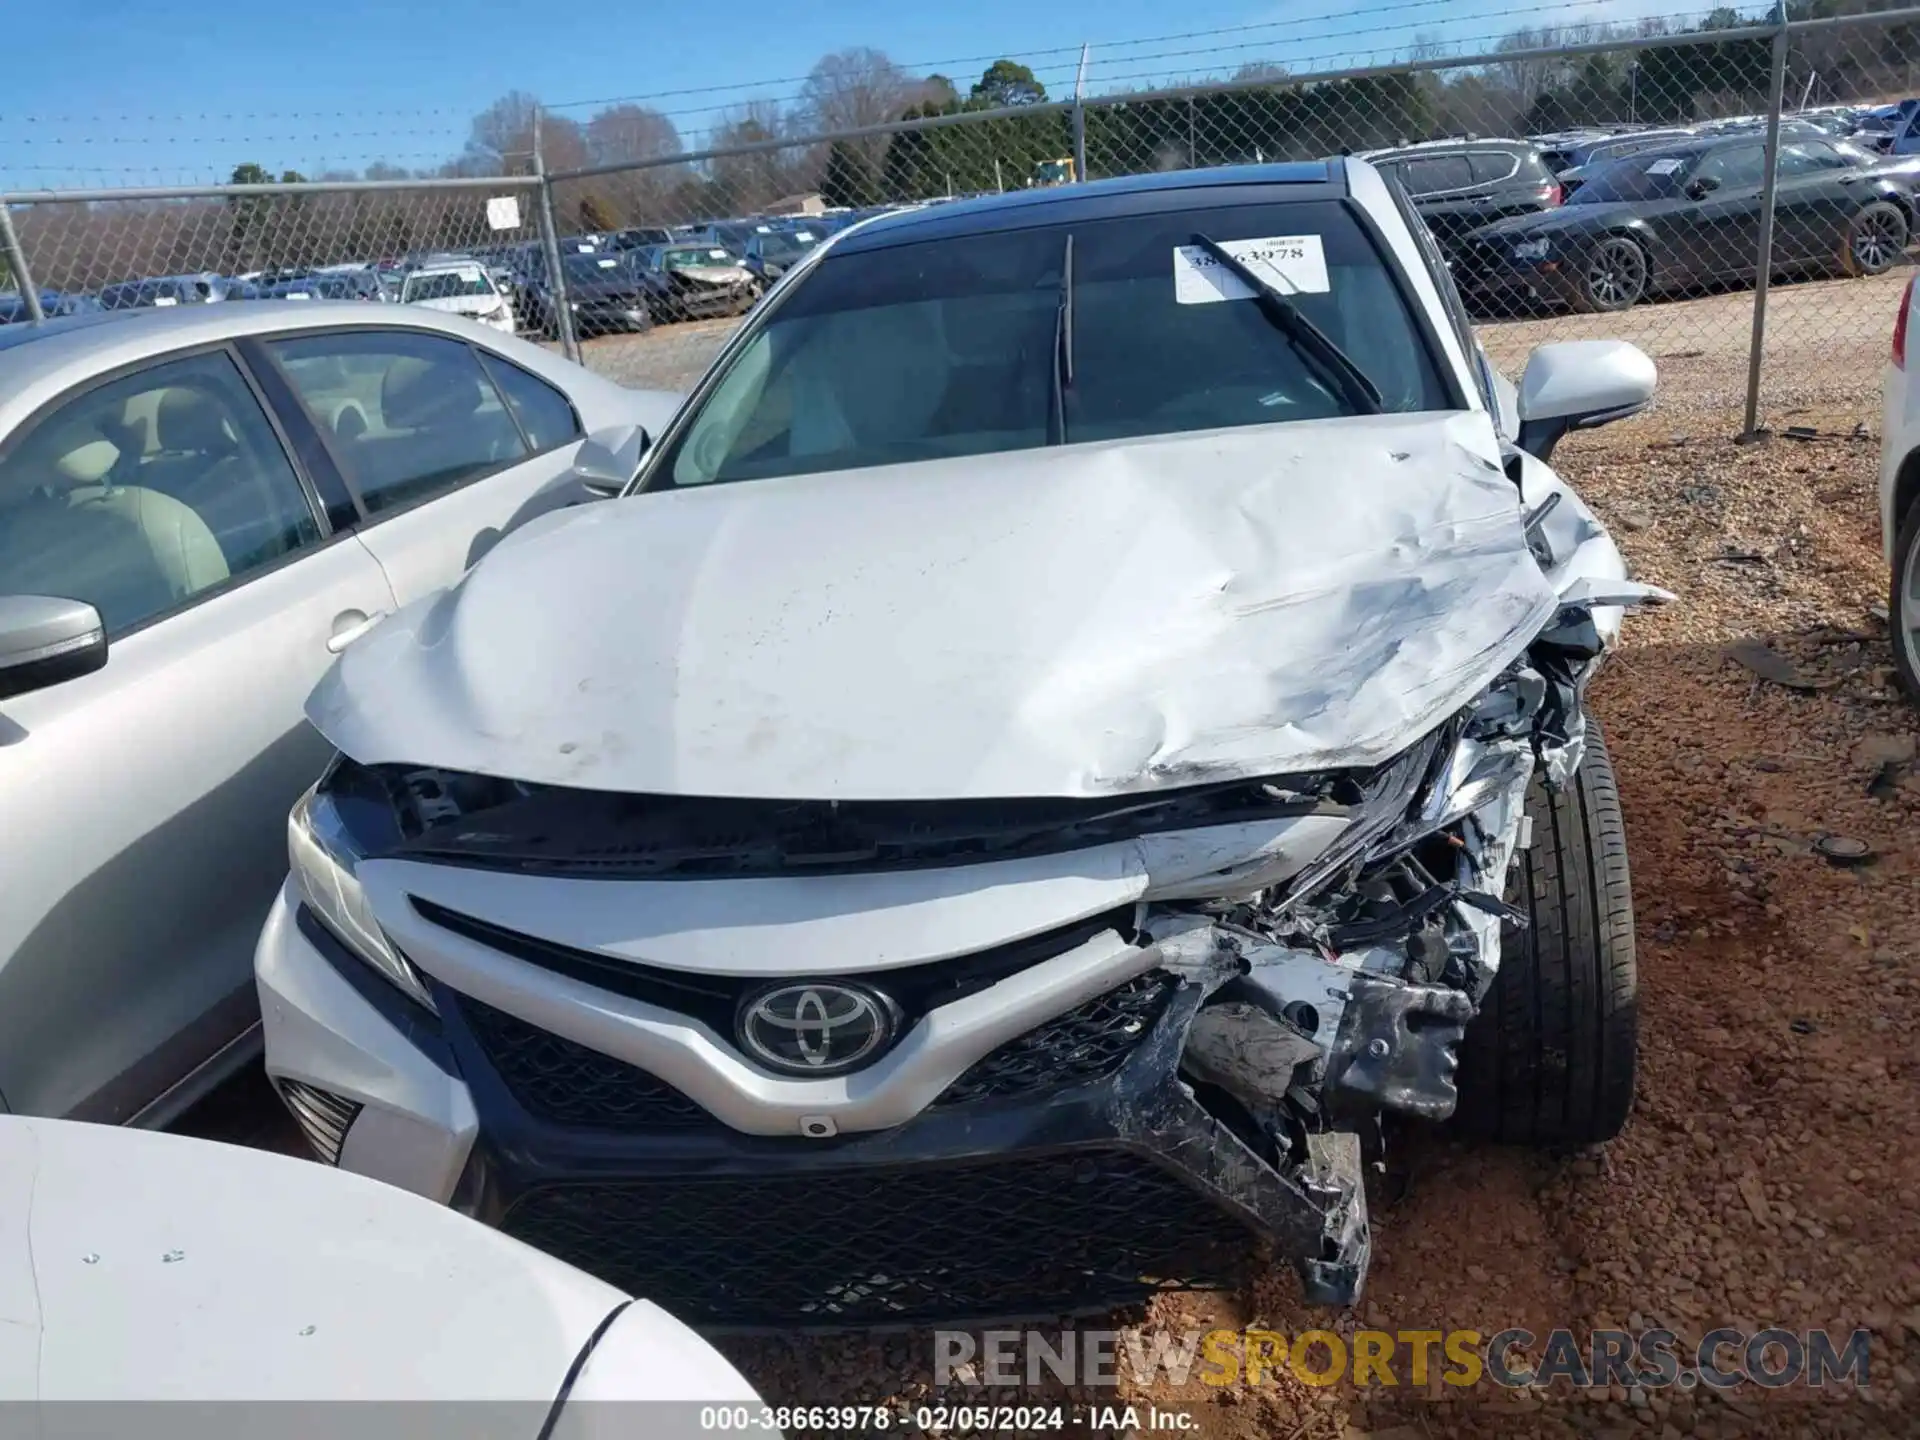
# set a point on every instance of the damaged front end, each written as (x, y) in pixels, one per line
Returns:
(1300, 955)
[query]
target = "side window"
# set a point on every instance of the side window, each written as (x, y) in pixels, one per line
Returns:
(1490, 167)
(142, 493)
(543, 412)
(406, 415)
(1813, 156)
(1437, 174)
(1736, 167)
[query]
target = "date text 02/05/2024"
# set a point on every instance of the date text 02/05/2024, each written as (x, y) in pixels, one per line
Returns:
(943, 1419)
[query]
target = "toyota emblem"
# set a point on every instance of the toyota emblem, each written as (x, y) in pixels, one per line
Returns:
(816, 1028)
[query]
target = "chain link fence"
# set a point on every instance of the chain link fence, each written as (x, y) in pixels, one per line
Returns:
(1723, 196)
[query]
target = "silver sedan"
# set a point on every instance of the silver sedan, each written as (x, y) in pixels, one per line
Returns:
(199, 509)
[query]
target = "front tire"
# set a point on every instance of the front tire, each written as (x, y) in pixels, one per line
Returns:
(1903, 602)
(1550, 1058)
(1616, 275)
(1875, 239)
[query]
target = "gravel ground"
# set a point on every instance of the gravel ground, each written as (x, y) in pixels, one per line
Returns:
(1768, 1174)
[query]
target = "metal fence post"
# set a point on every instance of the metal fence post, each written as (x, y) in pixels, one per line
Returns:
(17, 263)
(550, 243)
(1080, 120)
(1763, 262)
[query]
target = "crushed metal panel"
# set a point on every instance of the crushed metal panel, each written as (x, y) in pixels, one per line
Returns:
(1068, 621)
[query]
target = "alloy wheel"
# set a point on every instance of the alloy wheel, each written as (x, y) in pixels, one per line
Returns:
(1876, 240)
(1617, 275)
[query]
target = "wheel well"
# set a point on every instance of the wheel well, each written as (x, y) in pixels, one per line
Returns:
(1906, 487)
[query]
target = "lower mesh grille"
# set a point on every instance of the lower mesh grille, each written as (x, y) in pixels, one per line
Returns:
(563, 1083)
(322, 1116)
(1087, 1043)
(1003, 1238)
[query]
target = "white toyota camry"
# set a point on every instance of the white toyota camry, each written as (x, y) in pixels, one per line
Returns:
(1075, 718)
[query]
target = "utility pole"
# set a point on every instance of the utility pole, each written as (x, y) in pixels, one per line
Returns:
(1080, 119)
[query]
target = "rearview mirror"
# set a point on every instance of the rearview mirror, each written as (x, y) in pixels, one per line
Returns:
(607, 460)
(1578, 385)
(45, 641)
(1702, 186)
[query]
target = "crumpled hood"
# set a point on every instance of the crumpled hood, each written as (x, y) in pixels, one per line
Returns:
(712, 274)
(1074, 620)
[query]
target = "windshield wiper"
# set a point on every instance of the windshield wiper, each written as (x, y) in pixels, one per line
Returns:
(1062, 351)
(1353, 383)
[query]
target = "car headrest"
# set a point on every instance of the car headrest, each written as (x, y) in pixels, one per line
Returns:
(193, 420)
(417, 393)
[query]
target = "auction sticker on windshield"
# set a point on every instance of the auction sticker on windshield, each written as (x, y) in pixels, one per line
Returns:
(1292, 263)
(1664, 167)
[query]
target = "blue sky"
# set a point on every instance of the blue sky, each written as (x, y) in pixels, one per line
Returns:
(126, 92)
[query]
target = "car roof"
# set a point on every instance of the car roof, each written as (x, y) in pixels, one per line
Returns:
(37, 361)
(1099, 199)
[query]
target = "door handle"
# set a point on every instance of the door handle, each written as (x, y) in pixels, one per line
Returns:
(349, 626)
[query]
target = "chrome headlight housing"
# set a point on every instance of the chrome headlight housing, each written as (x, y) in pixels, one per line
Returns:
(323, 855)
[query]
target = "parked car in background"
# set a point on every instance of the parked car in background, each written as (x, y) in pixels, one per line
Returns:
(460, 289)
(981, 769)
(1688, 215)
(772, 252)
(165, 291)
(199, 507)
(1593, 157)
(169, 1269)
(608, 292)
(1459, 185)
(699, 280)
(730, 235)
(53, 304)
(638, 237)
(1900, 494)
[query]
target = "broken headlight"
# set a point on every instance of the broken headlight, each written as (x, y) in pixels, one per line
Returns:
(324, 854)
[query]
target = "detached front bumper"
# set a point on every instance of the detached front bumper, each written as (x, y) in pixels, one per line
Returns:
(1070, 1170)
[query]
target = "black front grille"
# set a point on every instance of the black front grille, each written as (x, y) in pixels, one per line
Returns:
(1087, 1043)
(886, 1246)
(564, 1083)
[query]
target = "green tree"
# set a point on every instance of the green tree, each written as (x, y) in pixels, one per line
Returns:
(850, 179)
(1007, 83)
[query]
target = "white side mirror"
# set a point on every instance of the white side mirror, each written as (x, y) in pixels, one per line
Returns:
(1578, 384)
(608, 459)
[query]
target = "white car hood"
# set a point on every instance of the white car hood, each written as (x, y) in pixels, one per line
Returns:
(1074, 620)
(139, 1266)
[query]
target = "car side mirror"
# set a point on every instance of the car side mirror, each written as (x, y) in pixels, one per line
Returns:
(1702, 186)
(607, 460)
(1578, 385)
(45, 640)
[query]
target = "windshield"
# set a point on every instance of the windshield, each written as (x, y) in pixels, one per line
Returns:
(446, 284)
(938, 349)
(594, 269)
(696, 255)
(1646, 176)
(784, 245)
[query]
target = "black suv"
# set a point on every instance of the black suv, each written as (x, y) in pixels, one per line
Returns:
(1460, 185)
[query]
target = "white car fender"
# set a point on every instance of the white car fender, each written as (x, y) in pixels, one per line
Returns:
(141, 1266)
